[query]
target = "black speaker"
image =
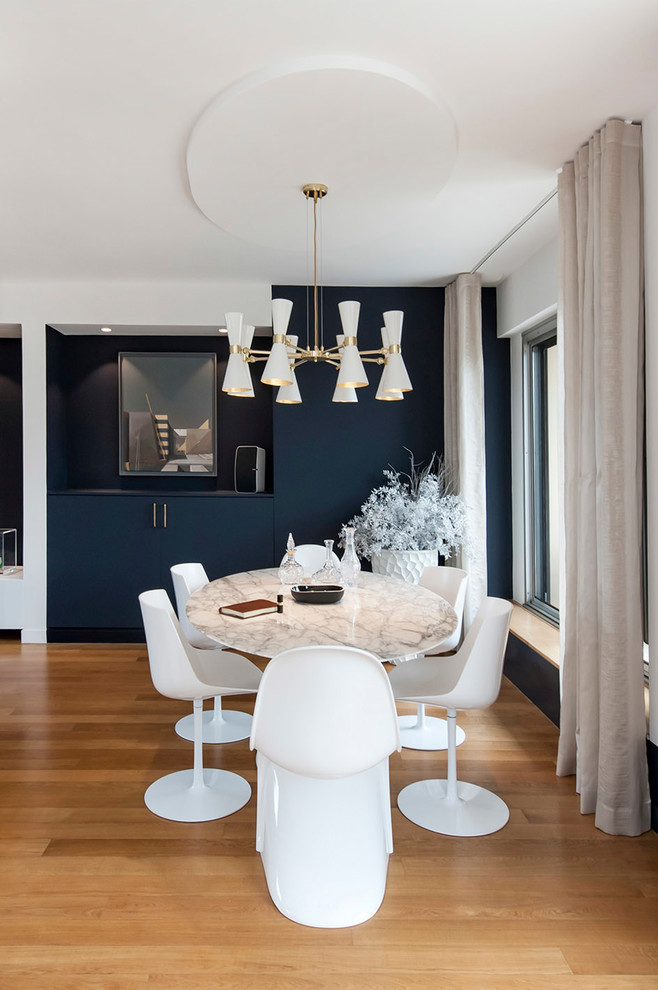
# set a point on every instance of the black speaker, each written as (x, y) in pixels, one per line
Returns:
(249, 472)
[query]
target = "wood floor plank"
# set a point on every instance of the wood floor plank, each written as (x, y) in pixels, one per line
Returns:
(96, 892)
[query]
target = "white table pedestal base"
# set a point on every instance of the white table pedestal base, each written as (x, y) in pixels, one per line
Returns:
(423, 731)
(218, 726)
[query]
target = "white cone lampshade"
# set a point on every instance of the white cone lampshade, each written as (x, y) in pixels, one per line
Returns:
(381, 394)
(349, 316)
(246, 337)
(387, 396)
(395, 377)
(233, 326)
(289, 395)
(277, 369)
(237, 379)
(351, 373)
(345, 394)
(281, 310)
(393, 323)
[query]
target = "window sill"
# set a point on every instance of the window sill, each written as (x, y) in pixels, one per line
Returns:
(537, 633)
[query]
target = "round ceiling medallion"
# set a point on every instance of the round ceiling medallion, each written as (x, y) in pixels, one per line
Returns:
(379, 138)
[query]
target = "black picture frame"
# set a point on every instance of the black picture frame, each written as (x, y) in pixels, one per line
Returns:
(167, 414)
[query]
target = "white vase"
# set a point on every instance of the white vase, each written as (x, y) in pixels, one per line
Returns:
(405, 565)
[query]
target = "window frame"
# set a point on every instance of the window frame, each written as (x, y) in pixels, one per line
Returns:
(535, 343)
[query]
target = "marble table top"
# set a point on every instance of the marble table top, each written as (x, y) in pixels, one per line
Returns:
(387, 617)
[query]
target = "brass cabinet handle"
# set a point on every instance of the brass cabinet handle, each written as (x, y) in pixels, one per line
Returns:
(165, 516)
(155, 516)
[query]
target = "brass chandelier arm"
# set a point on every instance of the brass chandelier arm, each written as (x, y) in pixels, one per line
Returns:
(325, 360)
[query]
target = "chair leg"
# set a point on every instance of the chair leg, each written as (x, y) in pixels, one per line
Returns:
(197, 795)
(452, 807)
(219, 726)
(423, 731)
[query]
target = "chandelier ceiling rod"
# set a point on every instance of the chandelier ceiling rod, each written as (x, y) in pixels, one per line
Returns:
(317, 190)
(285, 355)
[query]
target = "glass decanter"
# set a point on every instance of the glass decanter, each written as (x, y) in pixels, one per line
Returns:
(350, 565)
(291, 571)
(329, 573)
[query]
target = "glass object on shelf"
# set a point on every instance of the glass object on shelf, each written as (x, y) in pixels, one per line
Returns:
(7, 551)
(329, 573)
(350, 565)
(290, 571)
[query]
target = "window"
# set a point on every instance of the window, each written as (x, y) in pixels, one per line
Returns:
(542, 531)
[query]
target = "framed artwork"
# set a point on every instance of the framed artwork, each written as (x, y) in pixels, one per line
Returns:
(167, 414)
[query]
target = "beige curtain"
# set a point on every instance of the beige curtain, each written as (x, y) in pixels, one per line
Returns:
(602, 731)
(463, 374)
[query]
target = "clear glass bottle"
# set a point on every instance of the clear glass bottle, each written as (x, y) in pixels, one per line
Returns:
(350, 564)
(291, 571)
(329, 573)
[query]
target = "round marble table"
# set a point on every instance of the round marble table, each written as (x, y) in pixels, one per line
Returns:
(387, 617)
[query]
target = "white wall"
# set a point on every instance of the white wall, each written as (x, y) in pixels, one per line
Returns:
(526, 298)
(33, 306)
(529, 294)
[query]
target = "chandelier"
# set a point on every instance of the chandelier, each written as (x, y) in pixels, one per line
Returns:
(285, 356)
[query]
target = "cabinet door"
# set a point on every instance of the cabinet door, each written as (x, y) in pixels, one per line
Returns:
(102, 552)
(225, 534)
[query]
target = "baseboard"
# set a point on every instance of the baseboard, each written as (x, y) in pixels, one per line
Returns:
(33, 636)
(652, 759)
(65, 635)
(538, 679)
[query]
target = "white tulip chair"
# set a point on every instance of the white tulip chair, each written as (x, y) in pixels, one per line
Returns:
(323, 826)
(180, 671)
(470, 679)
(218, 725)
(422, 731)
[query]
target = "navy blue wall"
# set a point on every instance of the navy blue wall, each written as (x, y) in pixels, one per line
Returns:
(11, 439)
(498, 430)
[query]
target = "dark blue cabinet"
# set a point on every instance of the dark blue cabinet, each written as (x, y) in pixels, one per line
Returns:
(104, 549)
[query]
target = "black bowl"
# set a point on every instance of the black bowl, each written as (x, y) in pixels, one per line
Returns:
(317, 594)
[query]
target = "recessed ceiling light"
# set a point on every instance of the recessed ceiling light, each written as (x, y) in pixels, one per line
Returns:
(222, 330)
(106, 329)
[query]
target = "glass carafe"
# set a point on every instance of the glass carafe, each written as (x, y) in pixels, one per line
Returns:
(329, 573)
(350, 564)
(291, 571)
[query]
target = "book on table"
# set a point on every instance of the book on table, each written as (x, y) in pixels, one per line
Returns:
(245, 610)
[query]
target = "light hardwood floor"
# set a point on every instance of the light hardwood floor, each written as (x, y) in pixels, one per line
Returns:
(99, 893)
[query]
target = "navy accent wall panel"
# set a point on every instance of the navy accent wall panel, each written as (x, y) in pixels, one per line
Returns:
(83, 415)
(328, 456)
(11, 438)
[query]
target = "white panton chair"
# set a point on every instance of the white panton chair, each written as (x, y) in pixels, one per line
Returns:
(312, 557)
(422, 731)
(470, 679)
(323, 826)
(219, 726)
(179, 670)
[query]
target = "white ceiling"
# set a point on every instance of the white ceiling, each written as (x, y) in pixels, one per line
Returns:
(161, 139)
